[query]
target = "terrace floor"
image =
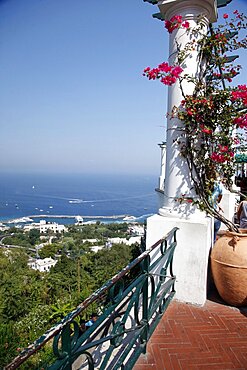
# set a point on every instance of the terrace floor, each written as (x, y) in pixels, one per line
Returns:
(190, 337)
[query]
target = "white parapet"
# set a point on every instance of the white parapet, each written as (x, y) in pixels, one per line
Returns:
(190, 263)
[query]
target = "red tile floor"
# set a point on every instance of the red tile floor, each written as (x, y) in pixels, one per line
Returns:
(190, 337)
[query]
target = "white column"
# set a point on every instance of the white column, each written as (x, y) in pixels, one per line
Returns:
(177, 176)
(162, 165)
(160, 188)
(195, 229)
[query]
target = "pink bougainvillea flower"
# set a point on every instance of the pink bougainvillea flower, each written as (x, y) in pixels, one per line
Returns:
(223, 148)
(176, 71)
(241, 121)
(169, 27)
(206, 130)
(168, 80)
(167, 74)
(176, 22)
(214, 156)
(164, 67)
(186, 24)
(177, 18)
(152, 74)
(240, 94)
(190, 111)
(242, 87)
(219, 158)
(217, 75)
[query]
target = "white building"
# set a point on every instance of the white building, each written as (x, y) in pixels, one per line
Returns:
(79, 220)
(136, 230)
(129, 241)
(3, 227)
(44, 226)
(42, 265)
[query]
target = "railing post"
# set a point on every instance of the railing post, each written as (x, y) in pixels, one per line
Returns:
(145, 301)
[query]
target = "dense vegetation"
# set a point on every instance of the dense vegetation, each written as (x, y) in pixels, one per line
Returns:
(31, 301)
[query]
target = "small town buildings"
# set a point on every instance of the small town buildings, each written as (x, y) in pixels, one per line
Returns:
(3, 227)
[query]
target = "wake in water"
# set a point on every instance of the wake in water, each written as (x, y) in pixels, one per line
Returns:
(118, 199)
(79, 201)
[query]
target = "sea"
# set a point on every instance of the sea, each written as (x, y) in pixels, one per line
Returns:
(60, 198)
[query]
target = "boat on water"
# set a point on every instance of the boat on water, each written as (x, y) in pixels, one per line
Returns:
(76, 201)
(129, 218)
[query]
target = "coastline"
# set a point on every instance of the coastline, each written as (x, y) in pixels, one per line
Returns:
(62, 218)
(75, 216)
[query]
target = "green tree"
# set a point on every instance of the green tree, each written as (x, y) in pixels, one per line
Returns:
(9, 343)
(50, 250)
(34, 236)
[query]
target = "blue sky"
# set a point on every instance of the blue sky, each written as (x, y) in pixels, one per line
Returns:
(72, 94)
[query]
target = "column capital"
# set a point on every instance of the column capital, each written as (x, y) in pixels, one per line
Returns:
(168, 8)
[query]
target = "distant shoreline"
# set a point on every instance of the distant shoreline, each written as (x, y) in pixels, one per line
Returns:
(75, 216)
(19, 219)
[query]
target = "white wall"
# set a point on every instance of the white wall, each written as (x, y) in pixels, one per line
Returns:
(194, 240)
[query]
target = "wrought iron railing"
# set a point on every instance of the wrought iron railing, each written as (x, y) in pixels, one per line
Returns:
(130, 305)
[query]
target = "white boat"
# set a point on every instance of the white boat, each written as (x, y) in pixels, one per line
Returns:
(76, 201)
(129, 218)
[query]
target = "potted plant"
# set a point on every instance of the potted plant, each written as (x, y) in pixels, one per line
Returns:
(213, 130)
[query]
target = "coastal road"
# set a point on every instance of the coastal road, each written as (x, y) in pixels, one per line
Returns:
(2, 237)
(16, 246)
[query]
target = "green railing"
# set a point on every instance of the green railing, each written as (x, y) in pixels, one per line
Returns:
(129, 306)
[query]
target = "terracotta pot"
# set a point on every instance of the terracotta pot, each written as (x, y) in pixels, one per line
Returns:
(229, 267)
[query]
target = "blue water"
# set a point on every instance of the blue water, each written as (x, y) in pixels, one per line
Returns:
(86, 195)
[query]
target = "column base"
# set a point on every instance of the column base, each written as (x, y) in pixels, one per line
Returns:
(190, 264)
